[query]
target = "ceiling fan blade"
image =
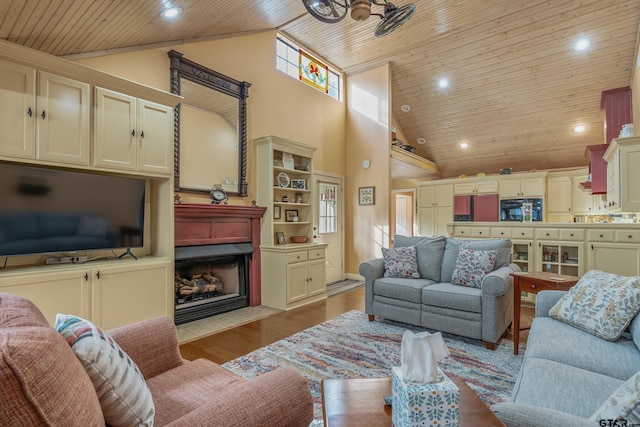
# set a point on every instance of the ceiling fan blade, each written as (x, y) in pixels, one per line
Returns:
(394, 17)
(329, 11)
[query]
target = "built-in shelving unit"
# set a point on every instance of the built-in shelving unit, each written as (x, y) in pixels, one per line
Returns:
(293, 273)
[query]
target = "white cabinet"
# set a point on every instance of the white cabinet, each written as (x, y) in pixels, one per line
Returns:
(623, 259)
(126, 293)
(484, 186)
(44, 116)
(110, 294)
(432, 221)
(132, 134)
(623, 175)
(531, 186)
(435, 195)
(561, 257)
(435, 209)
(52, 291)
(581, 200)
(302, 271)
(559, 199)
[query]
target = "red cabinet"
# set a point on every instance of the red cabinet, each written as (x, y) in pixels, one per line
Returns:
(485, 207)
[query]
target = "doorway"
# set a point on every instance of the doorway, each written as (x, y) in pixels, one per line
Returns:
(402, 212)
(328, 221)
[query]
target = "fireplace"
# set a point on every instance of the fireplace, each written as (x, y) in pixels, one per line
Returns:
(217, 259)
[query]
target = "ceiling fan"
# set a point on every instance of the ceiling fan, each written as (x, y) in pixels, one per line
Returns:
(332, 11)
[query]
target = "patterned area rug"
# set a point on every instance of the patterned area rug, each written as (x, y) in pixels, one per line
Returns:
(349, 346)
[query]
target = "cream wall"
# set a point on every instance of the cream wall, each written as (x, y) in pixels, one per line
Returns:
(368, 137)
(277, 105)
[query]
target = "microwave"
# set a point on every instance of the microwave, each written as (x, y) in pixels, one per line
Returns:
(511, 209)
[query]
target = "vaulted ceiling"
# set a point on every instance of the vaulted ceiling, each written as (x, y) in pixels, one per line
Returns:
(517, 86)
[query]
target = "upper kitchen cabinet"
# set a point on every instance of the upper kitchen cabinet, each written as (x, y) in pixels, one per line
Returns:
(132, 134)
(522, 185)
(46, 115)
(433, 194)
(483, 186)
(559, 199)
(623, 175)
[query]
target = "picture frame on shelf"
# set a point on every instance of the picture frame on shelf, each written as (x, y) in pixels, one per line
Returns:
(276, 212)
(291, 215)
(366, 196)
(281, 239)
(299, 184)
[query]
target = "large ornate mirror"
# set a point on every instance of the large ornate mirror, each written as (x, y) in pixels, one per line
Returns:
(210, 128)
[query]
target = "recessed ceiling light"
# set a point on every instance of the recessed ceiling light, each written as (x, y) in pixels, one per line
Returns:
(421, 141)
(443, 83)
(464, 144)
(405, 108)
(171, 12)
(579, 128)
(582, 44)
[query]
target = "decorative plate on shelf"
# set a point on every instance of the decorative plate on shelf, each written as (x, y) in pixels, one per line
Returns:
(283, 179)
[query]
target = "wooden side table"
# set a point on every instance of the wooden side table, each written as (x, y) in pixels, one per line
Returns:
(534, 282)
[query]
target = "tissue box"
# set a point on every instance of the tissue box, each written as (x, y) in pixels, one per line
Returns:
(416, 404)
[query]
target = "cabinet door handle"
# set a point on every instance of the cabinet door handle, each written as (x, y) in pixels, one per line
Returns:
(479, 232)
(98, 274)
(29, 112)
(86, 277)
(133, 132)
(630, 236)
(571, 234)
(592, 246)
(547, 234)
(522, 234)
(43, 115)
(602, 235)
(142, 134)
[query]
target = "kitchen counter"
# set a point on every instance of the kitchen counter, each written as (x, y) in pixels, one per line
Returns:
(563, 247)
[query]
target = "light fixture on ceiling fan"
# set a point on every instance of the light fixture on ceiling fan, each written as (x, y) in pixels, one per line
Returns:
(332, 11)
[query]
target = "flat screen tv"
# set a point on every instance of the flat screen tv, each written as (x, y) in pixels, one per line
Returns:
(56, 211)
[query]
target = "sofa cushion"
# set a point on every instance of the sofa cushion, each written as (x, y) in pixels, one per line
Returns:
(624, 403)
(600, 303)
(400, 262)
(42, 381)
(453, 296)
(562, 387)
(453, 246)
(581, 349)
(124, 396)
(429, 253)
(472, 267)
(186, 388)
(399, 288)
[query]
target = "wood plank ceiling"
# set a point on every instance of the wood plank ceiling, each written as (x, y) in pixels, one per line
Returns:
(516, 85)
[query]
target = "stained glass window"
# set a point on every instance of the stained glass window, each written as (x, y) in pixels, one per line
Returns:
(297, 63)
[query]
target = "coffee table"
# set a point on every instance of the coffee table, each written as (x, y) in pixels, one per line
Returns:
(359, 402)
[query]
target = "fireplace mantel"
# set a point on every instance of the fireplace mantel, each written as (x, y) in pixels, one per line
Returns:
(199, 224)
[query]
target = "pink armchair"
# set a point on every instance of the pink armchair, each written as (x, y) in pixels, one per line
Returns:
(43, 383)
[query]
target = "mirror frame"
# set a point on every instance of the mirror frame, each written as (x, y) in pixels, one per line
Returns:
(183, 68)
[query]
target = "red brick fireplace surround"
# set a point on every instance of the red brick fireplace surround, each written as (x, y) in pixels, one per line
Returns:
(198, 225)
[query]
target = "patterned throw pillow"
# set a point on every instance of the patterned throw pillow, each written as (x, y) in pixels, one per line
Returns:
(624, 403)
(400, 262)
(123, 393)
(472, 266)
(602, 304)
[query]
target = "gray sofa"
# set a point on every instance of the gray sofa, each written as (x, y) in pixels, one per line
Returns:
(567, 374)
(432, 301)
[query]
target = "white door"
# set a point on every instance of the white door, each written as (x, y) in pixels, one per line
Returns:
(327, 222)
(402, 212)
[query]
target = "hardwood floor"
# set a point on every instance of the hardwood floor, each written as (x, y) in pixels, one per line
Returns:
(230, 344)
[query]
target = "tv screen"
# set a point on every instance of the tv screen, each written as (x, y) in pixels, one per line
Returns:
(46, 210)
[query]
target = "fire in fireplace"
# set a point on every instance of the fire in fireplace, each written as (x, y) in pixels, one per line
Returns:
(211, 279)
